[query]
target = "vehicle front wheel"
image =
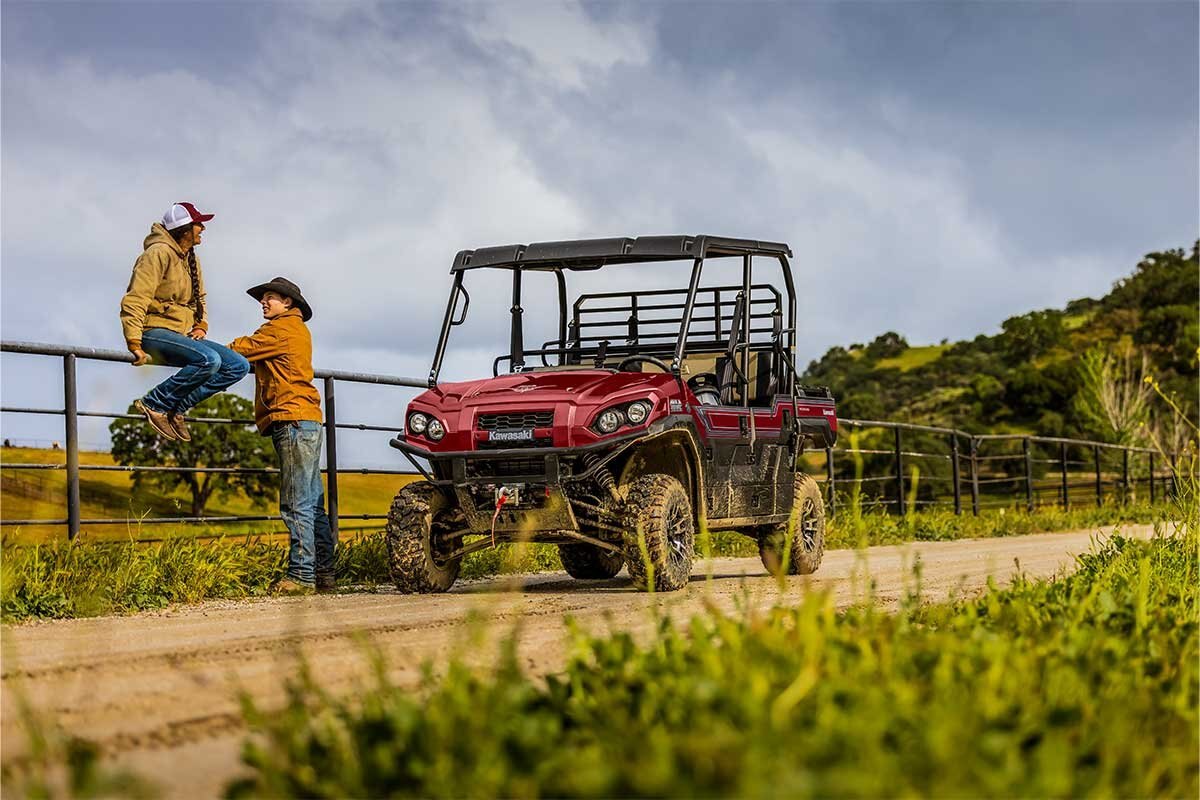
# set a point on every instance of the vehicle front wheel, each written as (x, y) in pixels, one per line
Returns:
(660, 533)
(805, 532)
(416, 557)
(586, 561)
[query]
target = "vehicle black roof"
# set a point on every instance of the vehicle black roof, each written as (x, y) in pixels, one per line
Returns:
(582, 254)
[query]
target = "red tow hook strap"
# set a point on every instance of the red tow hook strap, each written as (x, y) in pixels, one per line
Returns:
(501, 499)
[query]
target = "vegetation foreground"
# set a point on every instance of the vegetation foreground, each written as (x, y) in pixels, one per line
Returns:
(90, 578)
(1083, 686)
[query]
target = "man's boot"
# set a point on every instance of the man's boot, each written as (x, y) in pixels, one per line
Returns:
(326, 583)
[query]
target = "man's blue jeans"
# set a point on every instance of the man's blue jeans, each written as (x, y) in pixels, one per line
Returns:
(208, 368)
(302, 500)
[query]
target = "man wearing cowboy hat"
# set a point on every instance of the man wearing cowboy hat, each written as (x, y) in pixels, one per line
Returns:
(288, 409)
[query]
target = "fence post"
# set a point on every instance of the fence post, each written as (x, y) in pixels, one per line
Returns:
(331, 456)
(1066, 490)
(899, 476)
(974, 476)
(1152, 479)
(1028, 474)
(1099, 482)
(71, 406)
(830, 476)
(1174, 475)
(1125, 476)
(956, 475)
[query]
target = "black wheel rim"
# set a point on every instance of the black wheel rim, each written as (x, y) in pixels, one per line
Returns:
(677, 528)
(809, 526)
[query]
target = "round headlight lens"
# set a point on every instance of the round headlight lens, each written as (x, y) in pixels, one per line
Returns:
(417, 422)
(435, 430)
(609, 421)
(637, 412)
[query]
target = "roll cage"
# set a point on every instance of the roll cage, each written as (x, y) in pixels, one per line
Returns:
(732, 322)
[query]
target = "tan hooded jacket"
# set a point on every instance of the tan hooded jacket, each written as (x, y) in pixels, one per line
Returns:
(160, 290)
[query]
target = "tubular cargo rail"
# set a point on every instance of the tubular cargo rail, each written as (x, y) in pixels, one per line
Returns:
(1008, 470)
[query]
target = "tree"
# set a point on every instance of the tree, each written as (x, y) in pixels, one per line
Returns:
(1113, 401)
(212, 445)
(886, 345)
(1030, 335)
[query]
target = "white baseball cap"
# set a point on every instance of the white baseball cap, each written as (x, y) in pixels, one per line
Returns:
(182, 214)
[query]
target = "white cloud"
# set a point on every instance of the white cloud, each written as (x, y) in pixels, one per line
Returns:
(558, 43)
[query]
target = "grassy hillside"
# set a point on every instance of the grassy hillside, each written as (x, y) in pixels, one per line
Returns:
(1026, 377)
(40, 494)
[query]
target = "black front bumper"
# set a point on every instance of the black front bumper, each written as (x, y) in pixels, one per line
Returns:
(550, 457)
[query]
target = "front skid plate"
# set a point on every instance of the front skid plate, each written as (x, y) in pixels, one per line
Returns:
(551, 513)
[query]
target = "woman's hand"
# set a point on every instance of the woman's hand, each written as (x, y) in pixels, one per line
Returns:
(197, 333)
(139, 356)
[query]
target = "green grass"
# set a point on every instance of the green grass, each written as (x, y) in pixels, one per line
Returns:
(913, 357)
(1084, 686)
(89, 577)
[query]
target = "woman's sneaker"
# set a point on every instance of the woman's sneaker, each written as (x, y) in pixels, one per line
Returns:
(180, 427)
(157, 420)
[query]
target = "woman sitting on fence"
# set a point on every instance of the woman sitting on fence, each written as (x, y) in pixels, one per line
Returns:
(163, 318)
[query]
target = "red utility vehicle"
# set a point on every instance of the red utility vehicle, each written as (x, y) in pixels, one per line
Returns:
(652, 415)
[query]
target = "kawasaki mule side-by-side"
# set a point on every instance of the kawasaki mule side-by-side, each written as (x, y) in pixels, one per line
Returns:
(650, 415)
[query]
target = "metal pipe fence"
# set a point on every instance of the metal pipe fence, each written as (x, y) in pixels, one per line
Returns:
(886, 464)
(71, 413)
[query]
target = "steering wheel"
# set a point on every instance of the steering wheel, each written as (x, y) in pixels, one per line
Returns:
(625, 362)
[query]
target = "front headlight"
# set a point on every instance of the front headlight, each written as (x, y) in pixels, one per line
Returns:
(417, 423)
(609, 421)
(435, 430)
(637, 412)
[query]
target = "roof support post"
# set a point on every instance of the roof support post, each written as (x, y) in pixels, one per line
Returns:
(516, 344)
(561, 280)
(688, 307)
(447, 322)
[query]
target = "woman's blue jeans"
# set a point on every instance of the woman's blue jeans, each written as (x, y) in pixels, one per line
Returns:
(302, 500)
(208, 368)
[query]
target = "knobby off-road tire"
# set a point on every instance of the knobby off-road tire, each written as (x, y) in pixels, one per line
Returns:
(587, 561)
(419, 511)
(807, 529)
(660, 533)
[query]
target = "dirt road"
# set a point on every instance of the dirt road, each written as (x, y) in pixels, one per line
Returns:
(157, 691)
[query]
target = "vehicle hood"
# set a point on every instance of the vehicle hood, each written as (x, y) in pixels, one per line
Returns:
(580, 387)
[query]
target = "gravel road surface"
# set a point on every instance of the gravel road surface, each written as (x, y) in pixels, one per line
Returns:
(158, 690)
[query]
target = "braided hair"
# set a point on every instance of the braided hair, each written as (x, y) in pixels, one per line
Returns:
(193, 271)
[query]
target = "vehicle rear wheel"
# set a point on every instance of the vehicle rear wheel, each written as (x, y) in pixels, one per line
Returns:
(416, 561)
(586, 561)
(660, 533)
(807, 533)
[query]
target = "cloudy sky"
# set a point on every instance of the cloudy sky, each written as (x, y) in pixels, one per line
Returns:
(935, 167)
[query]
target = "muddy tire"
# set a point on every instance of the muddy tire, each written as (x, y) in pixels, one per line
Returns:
(418, 512)
(807, 529)
(588, 562)
(660, 533)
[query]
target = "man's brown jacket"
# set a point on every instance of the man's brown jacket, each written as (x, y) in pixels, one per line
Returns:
(281, 352)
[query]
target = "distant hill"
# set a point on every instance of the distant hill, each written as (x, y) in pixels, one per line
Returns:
(40, 494)
(1025, 378)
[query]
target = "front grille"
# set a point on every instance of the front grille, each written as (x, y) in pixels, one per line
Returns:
(506, 467)
(515, 420)
(541, 441)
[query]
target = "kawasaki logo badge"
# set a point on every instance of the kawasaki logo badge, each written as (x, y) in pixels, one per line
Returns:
(525, 435)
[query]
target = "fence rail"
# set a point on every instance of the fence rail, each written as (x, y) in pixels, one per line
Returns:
(889, 449)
